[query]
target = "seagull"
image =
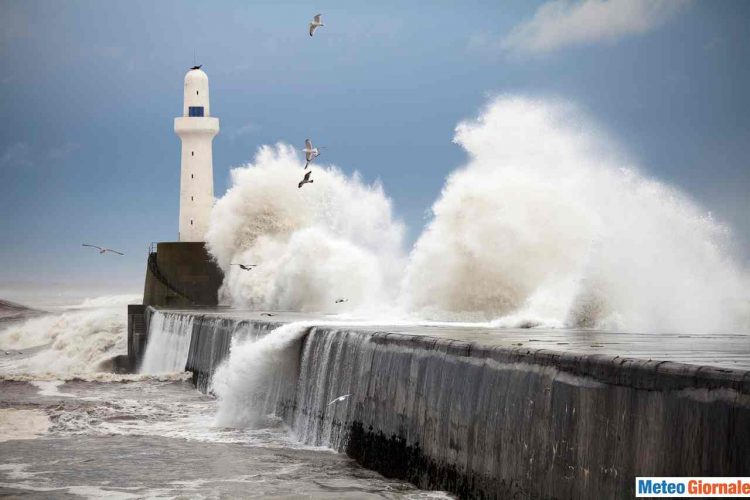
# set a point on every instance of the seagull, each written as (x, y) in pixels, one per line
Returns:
(340, 398)
(267, 314)
(310, 152)
(339, 301)
(305, 180)
(315, 24)
(246, 267)
(102, 250)
(197, 67)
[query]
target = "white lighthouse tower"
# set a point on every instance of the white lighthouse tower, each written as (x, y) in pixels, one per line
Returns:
(196, 128)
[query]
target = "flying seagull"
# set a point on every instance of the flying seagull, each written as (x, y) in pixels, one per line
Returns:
(315, 24)
(340, 398)
(310, 152)
(305, 180)
(197, 67)
(267, 314)
(102, 250)
(339, 301)
(246, 267)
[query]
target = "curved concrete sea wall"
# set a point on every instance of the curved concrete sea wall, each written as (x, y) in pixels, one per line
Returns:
(499, 422)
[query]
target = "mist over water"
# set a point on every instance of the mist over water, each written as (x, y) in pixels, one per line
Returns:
(548, 224)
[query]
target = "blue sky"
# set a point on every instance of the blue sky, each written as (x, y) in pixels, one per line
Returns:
(90, 90)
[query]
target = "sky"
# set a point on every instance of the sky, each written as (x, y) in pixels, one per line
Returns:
(90, 90)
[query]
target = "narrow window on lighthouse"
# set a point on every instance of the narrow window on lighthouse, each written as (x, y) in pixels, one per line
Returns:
(191, 176)
(192, 153)
(196, 92)
(191, 198)
(191, 222)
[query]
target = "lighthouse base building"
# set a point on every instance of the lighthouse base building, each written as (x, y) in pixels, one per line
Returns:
(181, 273)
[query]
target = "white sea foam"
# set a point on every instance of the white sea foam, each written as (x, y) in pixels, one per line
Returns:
(22, 424)
(69, 344)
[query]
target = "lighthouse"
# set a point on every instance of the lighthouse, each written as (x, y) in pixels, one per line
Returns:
(182, 273)
(196, 128)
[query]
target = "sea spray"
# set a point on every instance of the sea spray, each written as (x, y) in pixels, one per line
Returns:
(336, 238)
(248, 384)
(547, 223)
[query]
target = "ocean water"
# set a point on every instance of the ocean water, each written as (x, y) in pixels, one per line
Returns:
(70, 430)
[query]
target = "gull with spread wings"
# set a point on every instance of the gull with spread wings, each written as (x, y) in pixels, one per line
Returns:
(102, 250)
(246, 267)
(339, 399)
(310, 152)
(315, 24)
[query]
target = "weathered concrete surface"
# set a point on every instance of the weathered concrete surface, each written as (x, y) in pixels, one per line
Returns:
(483, 419)
(137, 335)
(181, 274)
(509, 423)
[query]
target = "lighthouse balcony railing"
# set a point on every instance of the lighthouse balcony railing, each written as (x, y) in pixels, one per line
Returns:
(196, 125)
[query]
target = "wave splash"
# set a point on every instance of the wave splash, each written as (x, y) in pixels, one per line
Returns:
(249, 383)
(548, 223)
(70, 344)
(315, 245)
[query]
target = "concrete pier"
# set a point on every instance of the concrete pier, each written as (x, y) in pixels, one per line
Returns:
(503, 413)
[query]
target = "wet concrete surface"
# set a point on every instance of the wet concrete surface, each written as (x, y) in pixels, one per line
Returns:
(723, 350)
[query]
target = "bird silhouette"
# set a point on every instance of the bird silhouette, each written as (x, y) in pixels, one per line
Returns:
(246, 267)
(305, 180)
(102, 250)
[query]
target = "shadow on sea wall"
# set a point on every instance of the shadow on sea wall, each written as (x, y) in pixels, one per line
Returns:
(492, 422)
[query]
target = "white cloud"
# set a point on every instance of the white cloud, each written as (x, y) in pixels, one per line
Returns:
(561, 23)
(246, 129)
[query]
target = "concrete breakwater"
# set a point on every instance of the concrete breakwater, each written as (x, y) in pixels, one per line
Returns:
(487, 421)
